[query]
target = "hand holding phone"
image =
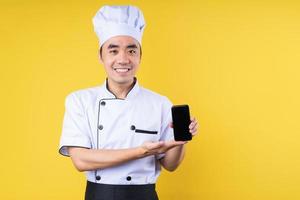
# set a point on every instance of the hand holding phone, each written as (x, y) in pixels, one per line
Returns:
(181, 121)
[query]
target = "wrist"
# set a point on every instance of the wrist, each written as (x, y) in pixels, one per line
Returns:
(141, 152)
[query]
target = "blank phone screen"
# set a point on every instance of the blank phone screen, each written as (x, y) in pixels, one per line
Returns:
(181, 122)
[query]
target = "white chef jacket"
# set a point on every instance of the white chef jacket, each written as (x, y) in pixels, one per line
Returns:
(95, 119)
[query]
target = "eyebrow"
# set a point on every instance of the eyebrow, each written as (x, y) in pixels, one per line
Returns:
(131, 46)
(111, 46)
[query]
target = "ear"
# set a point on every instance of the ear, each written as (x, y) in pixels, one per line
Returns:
(100, 57)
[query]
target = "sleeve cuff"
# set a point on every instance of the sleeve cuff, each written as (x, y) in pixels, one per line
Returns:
(72, 142)
(160, 156)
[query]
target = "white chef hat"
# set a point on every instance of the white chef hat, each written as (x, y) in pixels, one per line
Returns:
(112, 21)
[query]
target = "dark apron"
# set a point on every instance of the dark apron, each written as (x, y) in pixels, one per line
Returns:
(96, 191)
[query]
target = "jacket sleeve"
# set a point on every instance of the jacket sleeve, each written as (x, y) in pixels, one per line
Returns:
(75, 129)
(167, 133)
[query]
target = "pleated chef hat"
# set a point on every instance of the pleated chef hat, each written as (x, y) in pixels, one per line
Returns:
(112, 21)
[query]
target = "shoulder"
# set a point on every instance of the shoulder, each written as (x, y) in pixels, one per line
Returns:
(83, 96)
(154, 96)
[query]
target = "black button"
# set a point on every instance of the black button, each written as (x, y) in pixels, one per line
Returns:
(100, 127)
(98, 178)
(132, 127)
(128, 178)
(102, 103)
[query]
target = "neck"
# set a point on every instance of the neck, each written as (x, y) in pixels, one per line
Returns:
(120, 90)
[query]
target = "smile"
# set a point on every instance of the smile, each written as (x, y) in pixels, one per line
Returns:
(122, 70)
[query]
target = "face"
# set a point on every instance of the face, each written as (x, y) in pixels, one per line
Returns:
(121, 59)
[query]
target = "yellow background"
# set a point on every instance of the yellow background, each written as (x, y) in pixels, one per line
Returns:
(236, 63)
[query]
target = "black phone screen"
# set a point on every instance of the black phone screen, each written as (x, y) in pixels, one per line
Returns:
(181, 122)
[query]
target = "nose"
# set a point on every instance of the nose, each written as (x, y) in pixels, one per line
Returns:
(123, 58)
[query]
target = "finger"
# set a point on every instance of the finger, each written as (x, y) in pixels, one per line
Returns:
(171, 124)
(194, 132)
(155, 145)
(193, 124)
(193, 119)
(159, 144)
(194, 129)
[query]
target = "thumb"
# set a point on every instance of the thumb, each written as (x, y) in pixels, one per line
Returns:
(155, 145)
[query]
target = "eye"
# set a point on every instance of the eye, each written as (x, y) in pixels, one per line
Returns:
(113, 51)
(132, 51)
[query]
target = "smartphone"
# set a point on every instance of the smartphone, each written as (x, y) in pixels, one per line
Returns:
(181, 121)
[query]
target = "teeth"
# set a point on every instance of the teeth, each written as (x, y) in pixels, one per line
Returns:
(122, 70)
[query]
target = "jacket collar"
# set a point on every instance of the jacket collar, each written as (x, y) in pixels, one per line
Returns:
(109, 95)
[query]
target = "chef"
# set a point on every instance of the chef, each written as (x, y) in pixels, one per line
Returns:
(119, 133)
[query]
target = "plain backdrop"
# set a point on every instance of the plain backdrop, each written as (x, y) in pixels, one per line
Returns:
(236, 63)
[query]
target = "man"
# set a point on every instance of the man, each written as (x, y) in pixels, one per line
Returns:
(119, 133)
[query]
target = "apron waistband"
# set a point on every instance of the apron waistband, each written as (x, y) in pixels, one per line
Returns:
(109, 186)
(100, 191)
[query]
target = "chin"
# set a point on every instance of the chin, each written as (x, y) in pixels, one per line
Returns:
(123, 80)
